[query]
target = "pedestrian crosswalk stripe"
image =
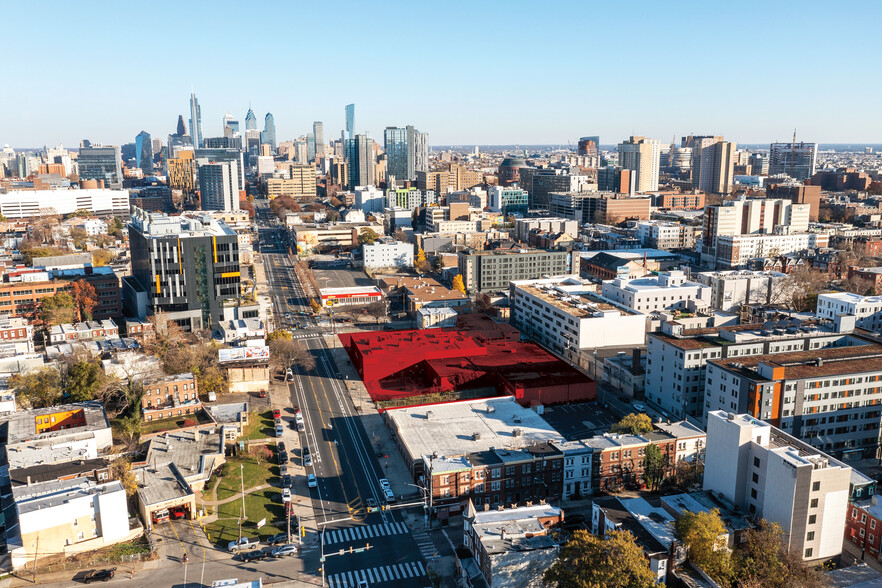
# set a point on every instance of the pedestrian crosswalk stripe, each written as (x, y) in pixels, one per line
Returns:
(371, 576)
(349, 574)
(358, 532)
(369, 531)
(390, 573)
(383, 573)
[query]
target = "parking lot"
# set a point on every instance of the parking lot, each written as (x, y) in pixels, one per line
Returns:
(331, 272)
(581, 420)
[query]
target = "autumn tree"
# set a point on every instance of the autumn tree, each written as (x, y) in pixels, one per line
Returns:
(803, 284)
(247, 207)
(58, 309)
(764, 559)
(101, 257)
(706, 538)
(458, 283)
(634, 423)
(85, 380)
(589, 561)
(37, 388)
(278, 334)
(367, 237)
(166, 334)
(85, 298)
(121, 469)
(285, 352)
(422, 264)
(655, 466)
(401, 235)
(335, 202)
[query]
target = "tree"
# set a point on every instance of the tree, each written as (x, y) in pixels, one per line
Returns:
(400, 235)
(332, 215)
(285, 352)
(101, 257)
(589, 561)
(335, 202)
(315, 306)
(655, 465)
(86, 299)
(633, 424)
(121, 469)
(37, 388)
(458, 283)
(422, 264)
(58, 309)
(278, 334)
(166, 334)
(79, 236)
(706, 537)
(763, 559)
(803, 285)
(367, 237)
(247, 207)
(376, 310)
(84, 380)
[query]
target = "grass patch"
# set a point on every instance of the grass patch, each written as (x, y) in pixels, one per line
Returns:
(260, 425)
(133, 547)
(175, 423)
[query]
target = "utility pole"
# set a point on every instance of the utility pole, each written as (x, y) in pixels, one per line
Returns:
(36, 552)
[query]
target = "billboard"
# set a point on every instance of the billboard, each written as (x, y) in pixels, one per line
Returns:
(243, 354)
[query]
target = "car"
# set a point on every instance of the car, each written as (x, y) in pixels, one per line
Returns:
(283, 550)
(261, 394)
(389, 495)
(280, 430)
(257, 554)
(278, 421)
(295, 410)
(280, 447)
(289, 375)
(286, 494)
(242, 544)
(277, 414)
(283, 457)
(639, 407)
(287, 481)
(307, 460)
(311, 481)
(384, 483)
(102, 575)
(177, 513)
(372, 504)
(277, 538)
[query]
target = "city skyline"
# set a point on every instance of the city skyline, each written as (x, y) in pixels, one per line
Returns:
(657, 94)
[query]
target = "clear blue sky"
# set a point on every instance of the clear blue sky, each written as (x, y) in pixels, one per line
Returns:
(477, 72)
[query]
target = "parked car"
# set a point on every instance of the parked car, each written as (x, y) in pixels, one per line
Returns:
(389, 495)
(280, 430)
(287, 481)
(307, 458)
(277, 414)
(384, 483)
(372, 504)
(311, 481)
(280, 446)
(283, 550)
(298, 417)
(257, 554)
(283, 457)
(242, 544)
(299, 425)
(277, 538)
(639, 407)
(261, 394)
(286, 494)
(99, 575)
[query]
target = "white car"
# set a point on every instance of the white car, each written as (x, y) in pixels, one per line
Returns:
(286, 494)
(243, 544)
(639, 407)
(389, 495)
(283, 550)
(311, 481)
(384, 483)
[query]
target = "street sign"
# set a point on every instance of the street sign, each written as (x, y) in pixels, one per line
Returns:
(261, 523)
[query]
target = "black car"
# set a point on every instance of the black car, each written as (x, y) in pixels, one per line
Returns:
(277, 538)
(257, 554)
(287, 482)
(102, 575)
(283, 457)
(280, 446)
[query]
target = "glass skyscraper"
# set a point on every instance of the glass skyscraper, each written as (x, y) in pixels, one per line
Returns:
(144, 152)
(101, 163)
(250, 121)
(350, 120)
(395, 144)
(269, 129)
(195, 121)
(360, 154)
(318, 131)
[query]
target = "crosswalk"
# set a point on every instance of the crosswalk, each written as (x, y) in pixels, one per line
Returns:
(378, 575)
(364, 532)
(424, 543)
(306, 336)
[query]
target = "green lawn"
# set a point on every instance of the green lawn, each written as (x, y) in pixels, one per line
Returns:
(260, 425)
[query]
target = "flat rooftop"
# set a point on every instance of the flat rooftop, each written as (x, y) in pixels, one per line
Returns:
(450, 428)
(22, 425)
(55, 493)
(835, 361)
(578, 304)
(853, 298)
(163, 484)
(188, 450)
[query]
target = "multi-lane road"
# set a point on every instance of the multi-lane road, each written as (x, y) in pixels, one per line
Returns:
(346, 469)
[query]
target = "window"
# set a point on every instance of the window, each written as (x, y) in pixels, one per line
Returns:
(871, 537)
(812, 519)
(816, 486)
(810, 536)
(808, 552)
(755, 478)
(494, 486)
(814, 503)
(872, 523)
(753, 493)
(756, 462)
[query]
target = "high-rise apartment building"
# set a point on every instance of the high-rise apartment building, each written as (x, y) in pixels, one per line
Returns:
(546, 181)
(642, 156)
(589, 146)
(101, 163)
(407, 152)
(418, 150)
(713, 163)
(204, 156)
(318, 132)
(310, 147)
(144, 152)
(796, 160)
(775, 476)
(181, 171)
(268, 137)
(360, 156)
(218, 185)
(195, 121)
(186, 266)
(492, 271)
(759, 164)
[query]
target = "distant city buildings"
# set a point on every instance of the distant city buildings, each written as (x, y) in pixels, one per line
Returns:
(797, 160)
(195, 121)
(642, 156)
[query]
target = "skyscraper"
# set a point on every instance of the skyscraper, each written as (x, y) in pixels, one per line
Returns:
(218, 185)
(182, 130)
(269, 129)
(144, 152)
(713, 163)
(589, 145)
(250, 120)
(231, 125)
(361, 160)
(101, 163)
(310, 147)
(350, 120)
(395, 145)
(797, 160)
(318, 131)
(643, 156)
(195, 121)
(417, 151)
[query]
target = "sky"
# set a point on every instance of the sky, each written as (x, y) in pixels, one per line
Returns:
(477, 72)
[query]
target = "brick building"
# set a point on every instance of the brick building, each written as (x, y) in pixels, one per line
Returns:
(678, 201)
(22, 299)
(170, 396)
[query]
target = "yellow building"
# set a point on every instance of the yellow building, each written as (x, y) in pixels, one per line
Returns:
(182, 172)
(301, 182)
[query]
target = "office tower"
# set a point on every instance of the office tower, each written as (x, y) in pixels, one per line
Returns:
(318, 131)
(713, 163)
(157, 146)
(231, 125)
(250, 120)
(759, 164)
(350, 120)
(642, 156)
(181, 130)
(796, 160)
(361, 160)
(144, 152)
(206, 156)
(186, 266)
(195, 121)
(101, 163)
(269, 130)
(417, 152)
(395, 145)
(589, 146)
(310, 147)
(301, 153)
(218, 185)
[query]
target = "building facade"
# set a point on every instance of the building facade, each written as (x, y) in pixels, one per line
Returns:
(485, 271)
(642, 156)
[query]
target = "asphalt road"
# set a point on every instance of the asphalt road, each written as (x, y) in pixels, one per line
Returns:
(345, 467)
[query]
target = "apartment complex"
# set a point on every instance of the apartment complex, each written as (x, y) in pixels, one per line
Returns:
(181, 171)
(642, 156)
(737, 251)
(21, 299)
(665, 291)
(680, 201)
(729, 290)
(797, 160)
(773, 475)
(507, 200)
(170, 396)
(666, 235)
(311, 237)
(491, 271)
(387, 253)
(713, 163)
(300, 182)
(866, 310)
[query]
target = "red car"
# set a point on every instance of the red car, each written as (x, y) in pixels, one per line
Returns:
(177, 513)
(277, 414)
(261, 394)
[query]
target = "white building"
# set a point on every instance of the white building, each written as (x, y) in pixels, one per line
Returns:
(577, 468)
(564, 314)
(551, 224)
(772, 475)
(369, 199)
(867, 310)
(218, 184)
(388, 253)
(92, 226)
(436, 318)
(691, 440)
(735, 251)
(34, 203)
(454, 226)
(667, 291)
(731, 289)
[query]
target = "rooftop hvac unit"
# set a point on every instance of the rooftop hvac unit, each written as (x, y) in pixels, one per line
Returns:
(428, 414)
(517, 432)
(491, 409)
(517, 419)
(476, 436)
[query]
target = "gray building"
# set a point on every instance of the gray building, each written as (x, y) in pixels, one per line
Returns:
(546, 181)
(186, 266)
(234, 155)
(101, 163)
(360, 155)
(218, 185)
(492, 271)
(796, 160)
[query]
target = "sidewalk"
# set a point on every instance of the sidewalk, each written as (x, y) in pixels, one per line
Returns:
(394, 468)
